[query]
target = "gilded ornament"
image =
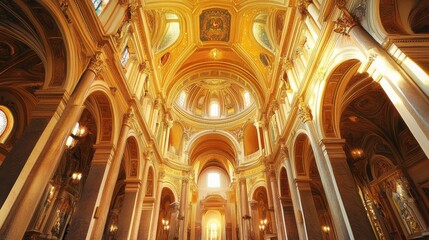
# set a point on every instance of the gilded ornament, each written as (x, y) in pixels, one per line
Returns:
(345, 23)
(304, 112)
(96, 63)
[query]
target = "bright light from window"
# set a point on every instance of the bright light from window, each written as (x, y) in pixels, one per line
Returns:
(246, 98)
(3, 122)
(213, 180)
(182, 98)
(125, 56)
(214, 109)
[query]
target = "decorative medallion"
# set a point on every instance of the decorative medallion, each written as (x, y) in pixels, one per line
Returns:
(215, 25)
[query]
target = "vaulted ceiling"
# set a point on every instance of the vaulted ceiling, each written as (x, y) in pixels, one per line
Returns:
(215, 51)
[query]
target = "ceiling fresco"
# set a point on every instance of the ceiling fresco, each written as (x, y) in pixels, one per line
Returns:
(215, 25)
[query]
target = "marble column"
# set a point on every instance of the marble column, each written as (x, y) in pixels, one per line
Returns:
(258, 132)
(110, 183)
(296, 204)
(267, 144)
(141, 194)
(86, 208)
(244, 209)
(173, 232)
(168, 126)
(182, 211)
(273, 223)
(289, 218)
(311, 219)
(157, 203)
(255, 219)
(411, 103)
(17, 220)
(232, 203)
(359, 223)
(126, 216)
(276, 203)
(335, 202)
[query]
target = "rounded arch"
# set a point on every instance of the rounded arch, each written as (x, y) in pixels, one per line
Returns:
(302, 154)
(101, 102)
(132, 158)
(223, 137)
(336, 84)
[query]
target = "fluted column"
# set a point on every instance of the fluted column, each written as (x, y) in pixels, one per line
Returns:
(244, 208)
(14, 226)
(294, 195)
(411, 103)
(109, 186)
(276, 202)
(182, 210)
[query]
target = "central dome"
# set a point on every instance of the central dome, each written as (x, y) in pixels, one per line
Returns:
(214, 99)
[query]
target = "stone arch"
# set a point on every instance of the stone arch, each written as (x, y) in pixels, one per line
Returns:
(335, 86)
(302, 152)
(419, 17)
(204, 142)
(101, 103)
(131, 155)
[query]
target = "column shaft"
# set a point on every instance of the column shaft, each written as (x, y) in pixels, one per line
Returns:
(277, 210)
(83, 218)
(405, 95)
(295, 200)
(244, 209)
(311, 219)
(18, 220)
(126, 216)
(109, 186)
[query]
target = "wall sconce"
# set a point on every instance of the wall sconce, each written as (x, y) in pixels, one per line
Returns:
(165, 226)
(326, 229)
(263, 226)
(76, 176)
(77, 131)
(113, 228)
(357, 153)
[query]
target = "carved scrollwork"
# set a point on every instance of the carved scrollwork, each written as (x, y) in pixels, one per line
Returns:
(304, 111)
(345, 23)
(96, 63)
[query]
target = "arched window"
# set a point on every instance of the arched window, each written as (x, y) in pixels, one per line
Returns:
(172, 31)
(260, 31)
(6, 123)
(99, 5)
(246, 96)
(213, 180)
(214, 109)
(181, 99)
(125, 56)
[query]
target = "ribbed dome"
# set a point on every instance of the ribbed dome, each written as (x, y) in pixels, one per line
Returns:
(214, 98)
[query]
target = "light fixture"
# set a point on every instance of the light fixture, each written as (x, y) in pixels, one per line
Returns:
(357, 153)
(326, 229)
(165, 226)
(263, 226)
(113, 228)
(76, 176)
(215, 53)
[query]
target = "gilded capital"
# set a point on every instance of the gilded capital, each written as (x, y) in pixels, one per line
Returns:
(284, 152)
(304, 112)
(345, 23)
(302, 6)
(96, 63)
(287, 64)
(128, 117)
